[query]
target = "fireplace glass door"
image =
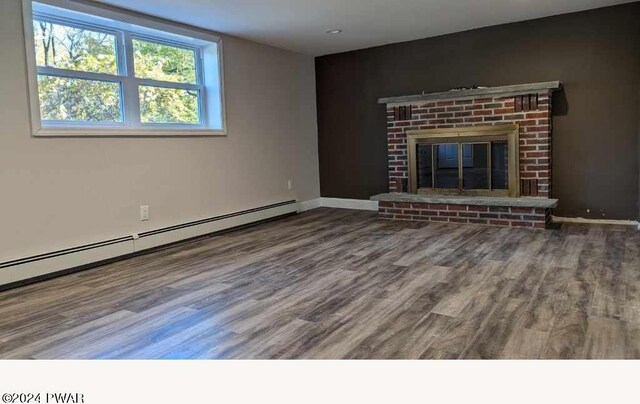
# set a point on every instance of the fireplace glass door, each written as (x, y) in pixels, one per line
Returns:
(466, 161)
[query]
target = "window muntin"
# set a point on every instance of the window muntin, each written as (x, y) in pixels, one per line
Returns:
(149, 79)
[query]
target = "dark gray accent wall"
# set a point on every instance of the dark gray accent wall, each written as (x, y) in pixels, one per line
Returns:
(596, 55)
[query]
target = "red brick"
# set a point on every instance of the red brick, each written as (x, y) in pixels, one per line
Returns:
(499, 222)
(513, 117)
(472, 107)
(510, 216)
(537, 167)
(488, 215)
(477, 221)
(522, 224)
(448, 214)
(538, 154)
(440, 219)
(454, 109)
(526, 123)
(521, 210)
(444, 103)
(537, 115)
(492, 118)
(468, 214)
(537, 141)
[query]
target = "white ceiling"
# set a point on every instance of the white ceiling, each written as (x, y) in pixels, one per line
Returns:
(300, 25)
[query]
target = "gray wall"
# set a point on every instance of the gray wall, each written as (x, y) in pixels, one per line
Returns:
(58, 193)
(596, 54)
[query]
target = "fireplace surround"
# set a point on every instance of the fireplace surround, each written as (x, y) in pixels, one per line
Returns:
(474, 161)
(479, 156)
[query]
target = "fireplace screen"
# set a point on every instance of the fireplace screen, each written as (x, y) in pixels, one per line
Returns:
(474, 161)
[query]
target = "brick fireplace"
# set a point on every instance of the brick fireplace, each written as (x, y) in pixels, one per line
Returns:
(448, 161)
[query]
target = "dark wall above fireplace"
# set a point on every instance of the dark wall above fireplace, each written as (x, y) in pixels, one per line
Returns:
(596, 54)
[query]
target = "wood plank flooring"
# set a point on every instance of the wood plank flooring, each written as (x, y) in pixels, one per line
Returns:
(344, 284)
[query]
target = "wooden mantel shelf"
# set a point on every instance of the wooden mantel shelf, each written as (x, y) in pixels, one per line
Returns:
(513, 90)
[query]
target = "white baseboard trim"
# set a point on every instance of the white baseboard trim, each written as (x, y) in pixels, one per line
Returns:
(359, 204)
(41, 267)
(21, 270)
(558, 219)
(171, 235)
(310, 204)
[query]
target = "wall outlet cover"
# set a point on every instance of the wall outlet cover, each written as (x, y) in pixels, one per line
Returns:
(144, 213)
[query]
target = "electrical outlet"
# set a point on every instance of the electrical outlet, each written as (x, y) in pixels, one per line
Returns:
(144, 213)
(290, 185)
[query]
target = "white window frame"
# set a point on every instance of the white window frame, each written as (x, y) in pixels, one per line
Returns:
(209, 82)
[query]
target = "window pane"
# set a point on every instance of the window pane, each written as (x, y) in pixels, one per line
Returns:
(66, 99)
(446, 170)
(168, 105)
(74, 48)
(499, 165)
(423, 154)
(475, 165)
(163, 62)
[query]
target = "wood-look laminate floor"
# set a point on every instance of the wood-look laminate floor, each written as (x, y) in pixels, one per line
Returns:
(345, 284)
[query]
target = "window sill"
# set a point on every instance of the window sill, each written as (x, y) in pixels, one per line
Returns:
(127, 132)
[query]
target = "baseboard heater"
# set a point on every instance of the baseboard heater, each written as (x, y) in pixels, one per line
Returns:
(36, 268)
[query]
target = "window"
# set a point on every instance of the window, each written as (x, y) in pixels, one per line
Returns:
(98, 72)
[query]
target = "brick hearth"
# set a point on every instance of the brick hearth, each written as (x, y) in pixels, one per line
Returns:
(474, 214)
